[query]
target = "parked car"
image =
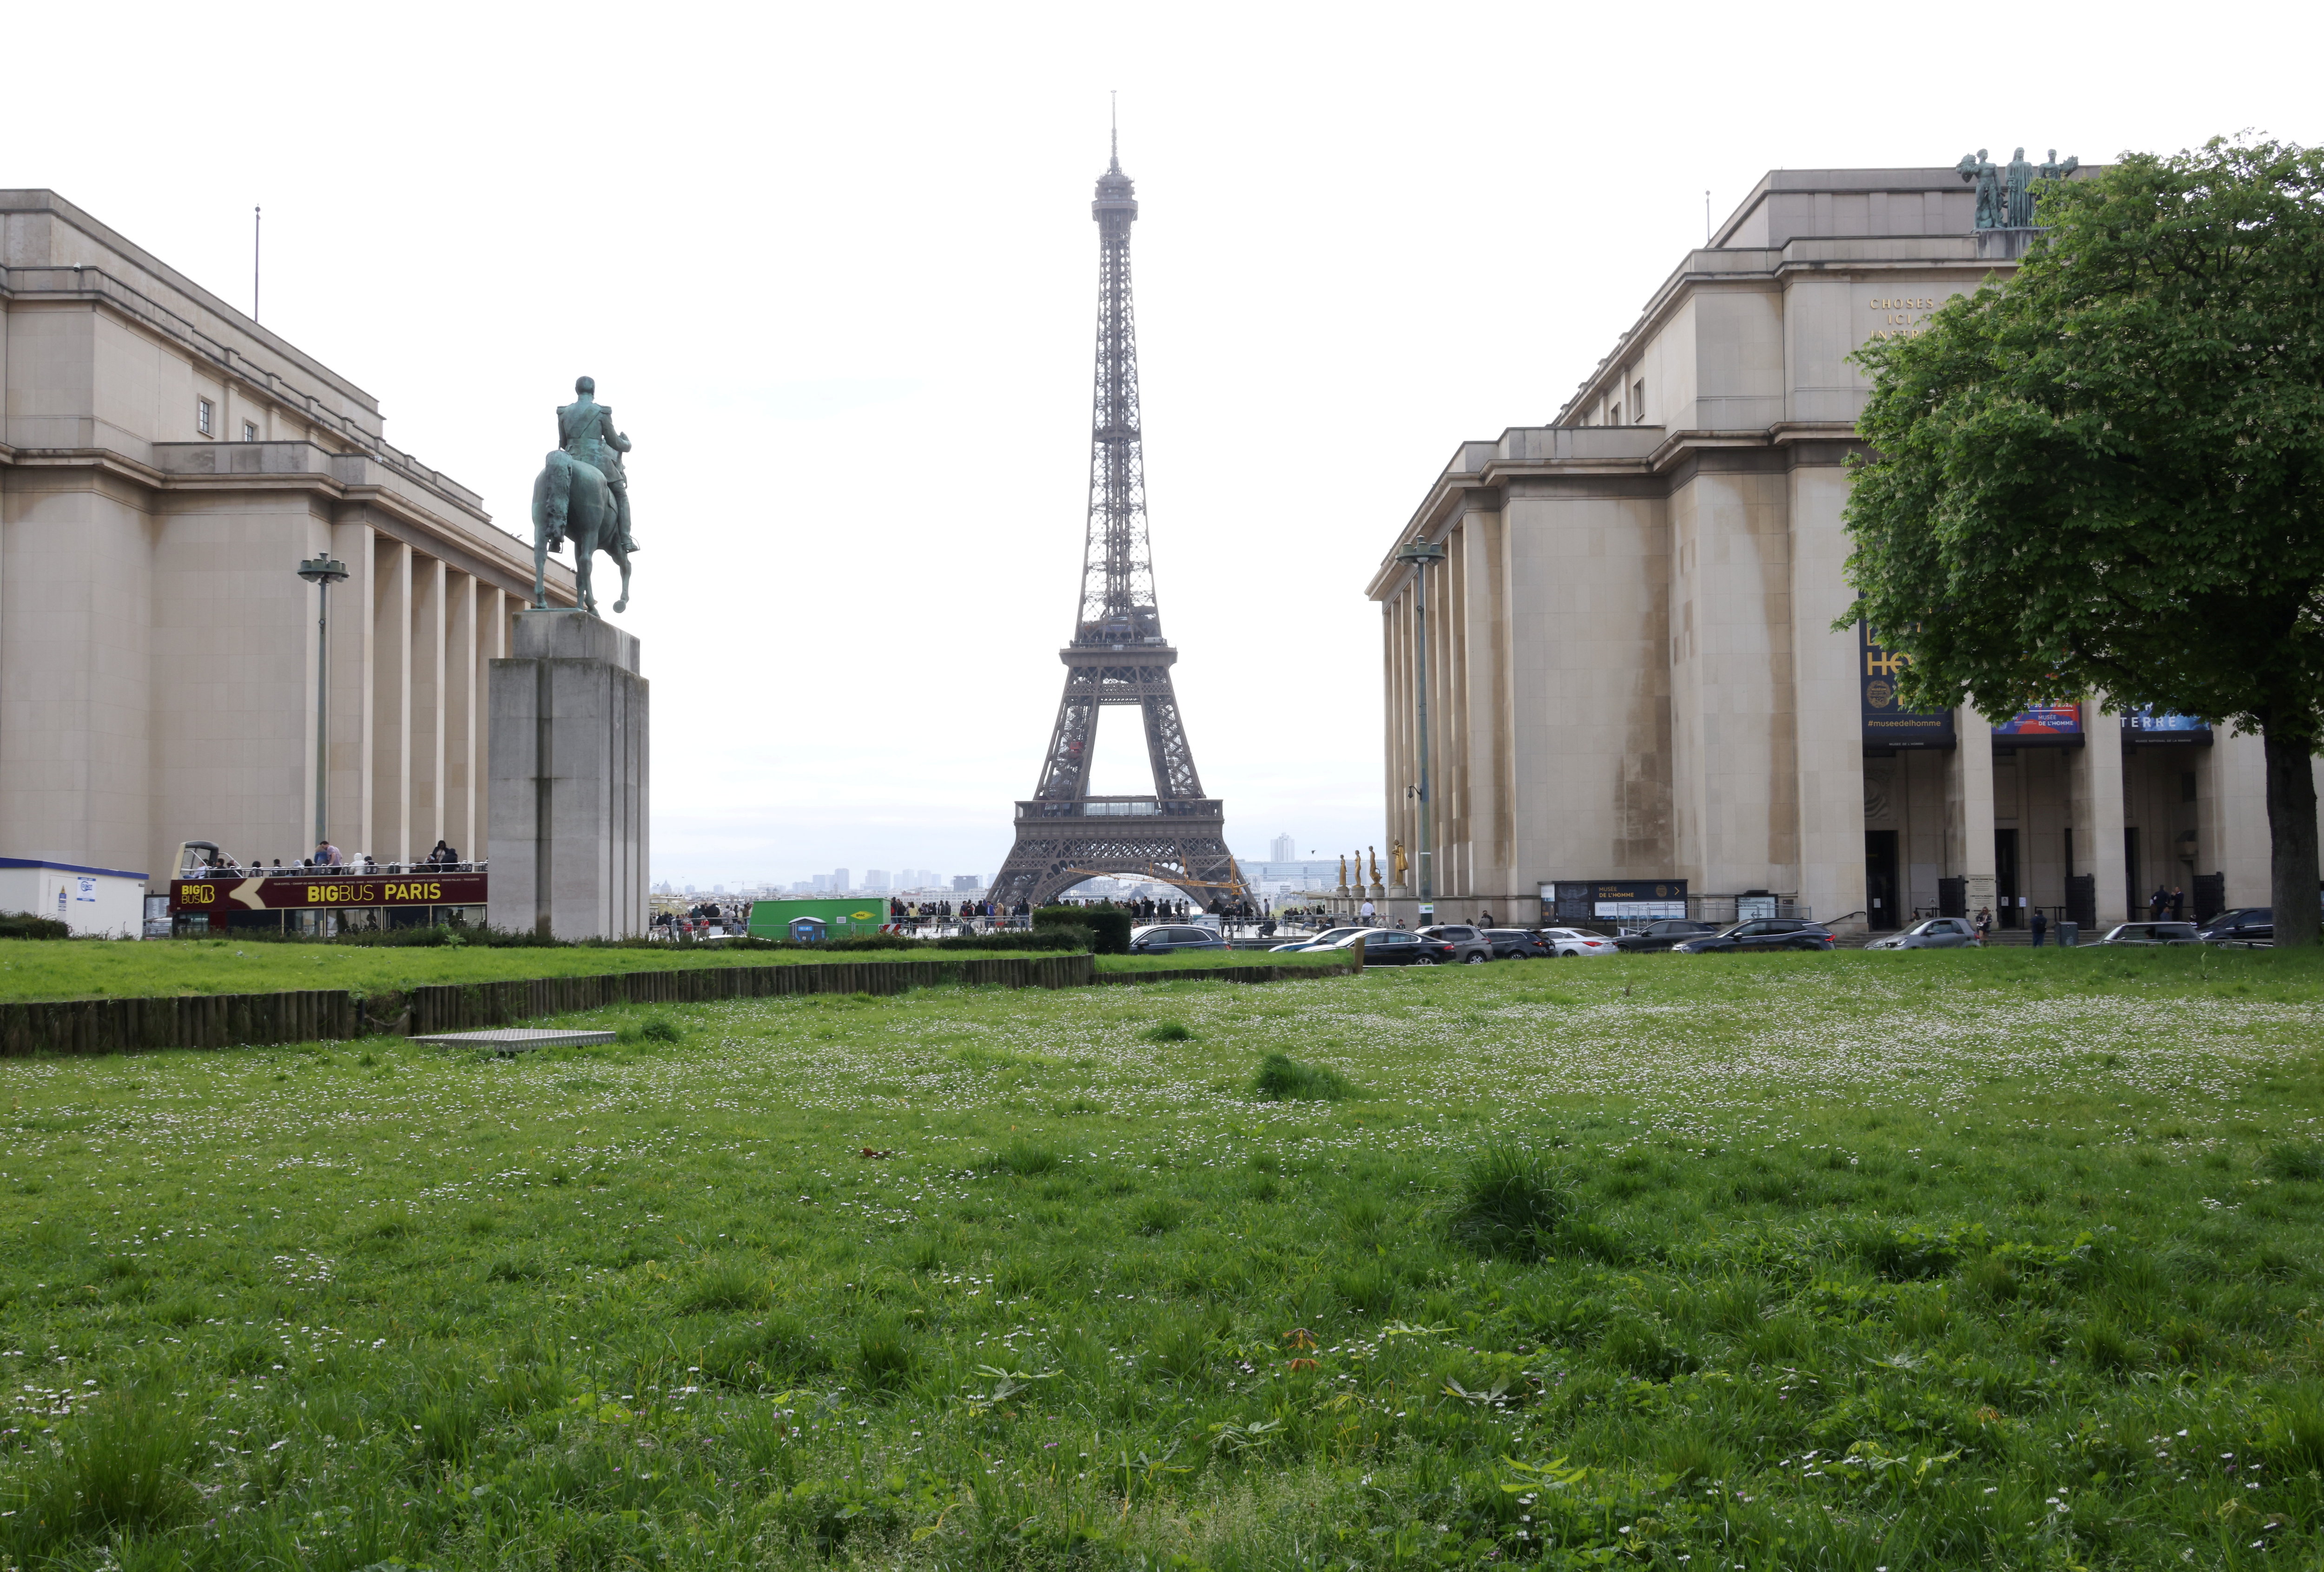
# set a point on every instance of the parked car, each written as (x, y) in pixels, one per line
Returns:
(1663, 934)
(1470, 945)
(1569, 942)
(1328, 939)
(1394, 947)
(2244, 925)
(1517, 943)
(1934, 933)
(1163, 938)
(1759, 934)
(2150, 933)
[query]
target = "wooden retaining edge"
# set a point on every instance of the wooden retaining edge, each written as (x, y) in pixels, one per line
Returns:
(1233, 973)
(137, 1026)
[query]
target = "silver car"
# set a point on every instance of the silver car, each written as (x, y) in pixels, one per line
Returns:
(1932, 934)
(2151, 934)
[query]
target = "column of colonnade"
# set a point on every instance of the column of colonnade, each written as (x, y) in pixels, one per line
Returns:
(1401, 819)
(1446, 731)
(1448, 710)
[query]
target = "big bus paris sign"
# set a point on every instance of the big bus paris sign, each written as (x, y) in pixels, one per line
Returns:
(232, 903)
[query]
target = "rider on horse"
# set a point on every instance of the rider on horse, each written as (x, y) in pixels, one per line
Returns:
(585, 430)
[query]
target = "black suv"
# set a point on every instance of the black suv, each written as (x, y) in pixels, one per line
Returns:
(1759, 934)
(1394, 947)
(1517, 944)
(2244, 925)
(1469, 944)
(1662, 934)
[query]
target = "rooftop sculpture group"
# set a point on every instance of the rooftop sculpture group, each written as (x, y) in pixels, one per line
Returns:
(583, 491)
(2005, 192)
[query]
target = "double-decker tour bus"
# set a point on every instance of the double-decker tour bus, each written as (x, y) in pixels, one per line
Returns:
(208, 897)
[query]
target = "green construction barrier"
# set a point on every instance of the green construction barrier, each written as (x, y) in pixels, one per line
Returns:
(857, 915)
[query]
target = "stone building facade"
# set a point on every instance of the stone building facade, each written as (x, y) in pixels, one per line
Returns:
(165, 465)
(1633, 675)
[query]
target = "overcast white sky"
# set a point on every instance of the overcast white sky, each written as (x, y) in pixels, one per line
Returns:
(833, 266)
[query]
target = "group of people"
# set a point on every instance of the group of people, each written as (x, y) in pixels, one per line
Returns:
(2168, 904)
(443, 858)
(901, 910)
(703, 920)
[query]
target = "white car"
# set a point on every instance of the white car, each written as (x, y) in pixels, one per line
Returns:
(1565, 942)
(1330, 938)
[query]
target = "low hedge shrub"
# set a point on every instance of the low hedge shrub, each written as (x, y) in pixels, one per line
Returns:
(1107, 926)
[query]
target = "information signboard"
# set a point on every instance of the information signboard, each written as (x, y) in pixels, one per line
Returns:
(1582, 900)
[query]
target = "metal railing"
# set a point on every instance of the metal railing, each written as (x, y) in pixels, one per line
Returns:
(1121, 807)
(1720, 910)
(350, 870)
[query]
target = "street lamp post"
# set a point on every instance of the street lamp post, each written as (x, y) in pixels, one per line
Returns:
(322, 572)
(1420, 554)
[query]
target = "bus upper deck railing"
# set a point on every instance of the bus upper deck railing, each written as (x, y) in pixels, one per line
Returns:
(338, 870)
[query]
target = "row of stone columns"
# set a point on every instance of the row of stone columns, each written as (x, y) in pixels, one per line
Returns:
(412, 637)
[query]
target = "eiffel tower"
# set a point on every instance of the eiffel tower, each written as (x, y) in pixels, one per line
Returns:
(1117, 656)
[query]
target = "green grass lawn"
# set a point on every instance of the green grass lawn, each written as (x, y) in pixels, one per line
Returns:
(83, 968)
(1843, 1261)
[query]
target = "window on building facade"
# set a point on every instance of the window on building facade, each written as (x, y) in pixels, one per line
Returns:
(204, 416)
(249, 432)
(1614, 413)
(1638, 402)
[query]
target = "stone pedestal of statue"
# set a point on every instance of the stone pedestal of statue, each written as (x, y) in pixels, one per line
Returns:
(568, 826)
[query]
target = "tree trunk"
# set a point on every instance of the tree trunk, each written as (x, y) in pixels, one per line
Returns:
(2292, 834)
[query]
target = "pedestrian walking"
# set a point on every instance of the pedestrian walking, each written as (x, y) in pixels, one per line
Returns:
(1984, 924)
(2177, 903)
(2040, 924)
(2155, 904)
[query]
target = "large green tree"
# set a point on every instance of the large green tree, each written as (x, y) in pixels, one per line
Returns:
(2106, 473)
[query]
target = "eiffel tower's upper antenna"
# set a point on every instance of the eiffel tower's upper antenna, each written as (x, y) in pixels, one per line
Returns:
(1117, 563)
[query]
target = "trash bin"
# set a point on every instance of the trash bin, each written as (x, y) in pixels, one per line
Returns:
(2069, 935)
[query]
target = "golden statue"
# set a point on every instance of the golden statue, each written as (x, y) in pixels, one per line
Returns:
(1396, 862)
(1375, 851)
(1343, 870)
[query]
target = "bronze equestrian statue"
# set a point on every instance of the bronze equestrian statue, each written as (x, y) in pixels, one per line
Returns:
(582, 493)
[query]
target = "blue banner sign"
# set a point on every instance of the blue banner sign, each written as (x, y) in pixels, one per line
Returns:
(1885, 724)
(2144, 725)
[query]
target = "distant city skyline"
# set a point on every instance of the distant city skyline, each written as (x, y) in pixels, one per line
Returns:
(1285, 868)
(1282, 850)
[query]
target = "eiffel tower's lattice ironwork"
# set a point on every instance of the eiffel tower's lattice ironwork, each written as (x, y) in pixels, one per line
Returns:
(1118, 655)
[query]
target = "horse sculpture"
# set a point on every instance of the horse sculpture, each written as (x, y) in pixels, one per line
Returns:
(571, 498)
